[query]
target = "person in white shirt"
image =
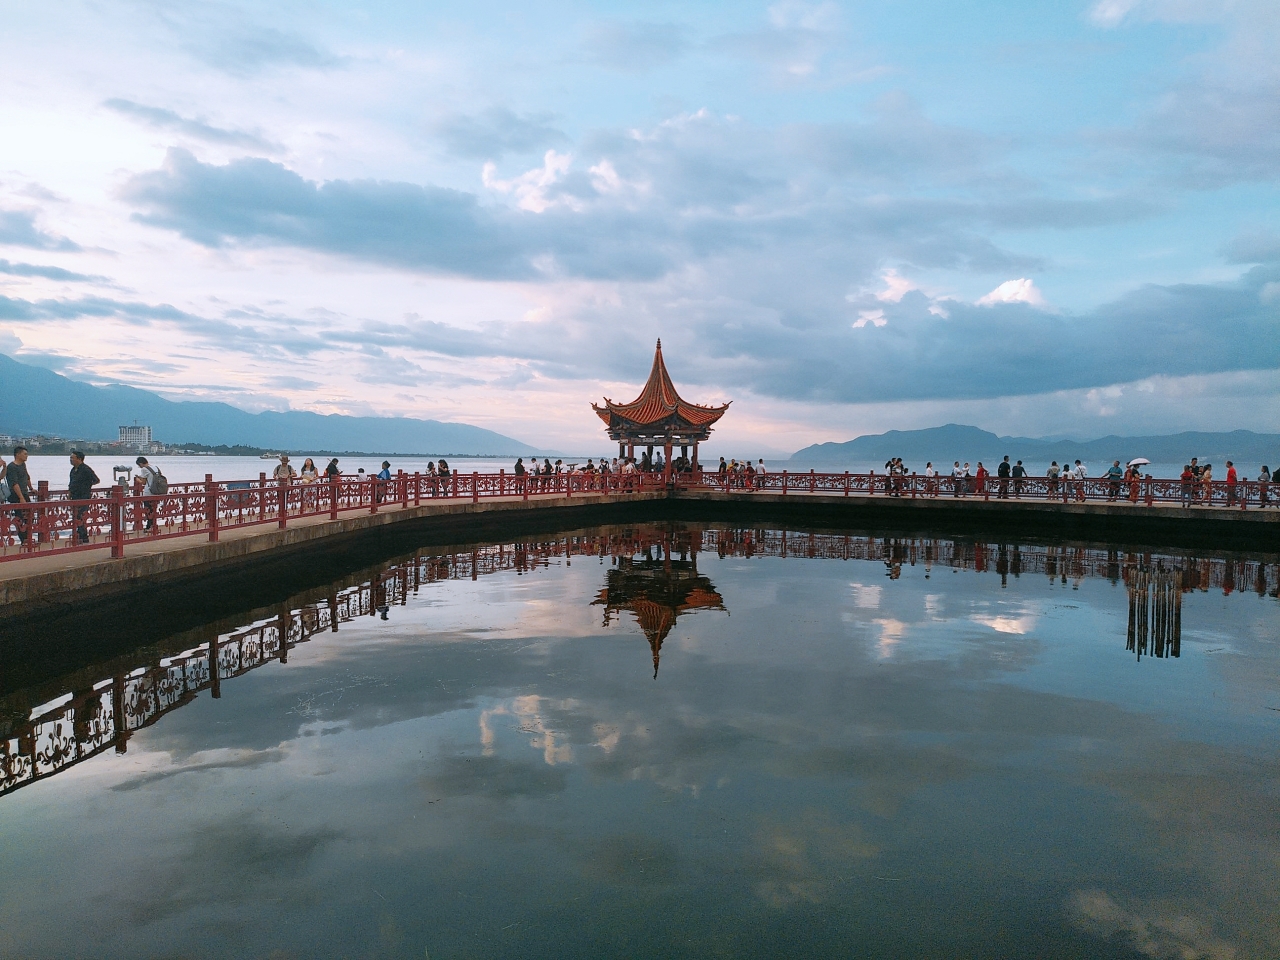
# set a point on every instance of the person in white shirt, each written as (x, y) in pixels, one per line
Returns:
(930, 481)
(1080, 474)
(957, 480)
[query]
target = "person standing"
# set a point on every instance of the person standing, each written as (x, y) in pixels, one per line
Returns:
(80, 487)
(284, 469)
(930, 480)
(980, 480)
(1080, 474)
(20, 490)
(957, 480)
(309, 473)
(1232, 479)
(1051, 475)
(147, 484)
(382, 480)
(1114, 476)
(332, 470)
(761, 473)
(1264, 482)
(1019, 474)
(1004, 471)
(1206, 483)
(442, 471)
(1187, 481)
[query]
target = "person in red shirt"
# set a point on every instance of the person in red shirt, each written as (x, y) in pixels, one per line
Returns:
(981, 477)
(1231, 483)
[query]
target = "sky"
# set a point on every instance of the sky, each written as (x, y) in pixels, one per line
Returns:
(1040, 218)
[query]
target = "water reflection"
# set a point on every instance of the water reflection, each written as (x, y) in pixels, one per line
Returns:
(652, 574)
(656, 587)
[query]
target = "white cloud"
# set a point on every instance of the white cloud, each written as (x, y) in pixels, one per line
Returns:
(874, 317)
(896, 286)
(531, 187)
(1015, 291)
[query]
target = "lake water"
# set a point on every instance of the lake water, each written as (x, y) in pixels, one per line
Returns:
(682, 742)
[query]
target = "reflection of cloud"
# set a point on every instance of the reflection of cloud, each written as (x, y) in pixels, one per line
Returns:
(864, 596)
(529, 709)
(891, 631)
(798, 860)
(1017, 625)
(1165, 932)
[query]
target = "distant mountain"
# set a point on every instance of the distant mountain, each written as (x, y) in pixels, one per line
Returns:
(945, 444)
(37, 401)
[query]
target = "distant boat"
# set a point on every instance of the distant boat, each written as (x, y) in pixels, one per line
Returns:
(269, 456)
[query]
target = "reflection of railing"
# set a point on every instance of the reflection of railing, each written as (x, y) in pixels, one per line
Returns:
(1155, 612)
(90, 721)
(1005, 559)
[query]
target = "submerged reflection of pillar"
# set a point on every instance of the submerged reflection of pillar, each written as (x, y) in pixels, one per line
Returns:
(1155, 612)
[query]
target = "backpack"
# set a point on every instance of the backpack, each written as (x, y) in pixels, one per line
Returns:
(159, 483)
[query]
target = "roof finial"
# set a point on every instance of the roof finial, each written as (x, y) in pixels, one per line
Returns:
(659, 343)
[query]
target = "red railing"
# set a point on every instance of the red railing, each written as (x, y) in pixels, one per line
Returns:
(1218, 493)
(113, 518)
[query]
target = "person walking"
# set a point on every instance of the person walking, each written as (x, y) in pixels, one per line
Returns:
(1019, 474)
(1004, 472)
(80, 487)
(19, 480)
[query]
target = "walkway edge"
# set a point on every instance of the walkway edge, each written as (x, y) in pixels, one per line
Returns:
(173, 558)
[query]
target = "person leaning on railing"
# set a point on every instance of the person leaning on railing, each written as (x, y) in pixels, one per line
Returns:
(1264, 482)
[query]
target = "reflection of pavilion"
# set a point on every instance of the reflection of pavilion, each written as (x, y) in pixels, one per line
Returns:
(1155, 611)
(657, 590)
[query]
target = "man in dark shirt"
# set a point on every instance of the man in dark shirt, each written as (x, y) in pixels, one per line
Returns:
(1019, 472)
(20, 490)
(80, 487)
(1003, 472)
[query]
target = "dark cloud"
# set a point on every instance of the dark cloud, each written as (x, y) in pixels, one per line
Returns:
(252, 200)
(244, 49)
(1259, 246)
(635, 47)
(49, 273)
(163, 119)
(18, 228)
(497, 132)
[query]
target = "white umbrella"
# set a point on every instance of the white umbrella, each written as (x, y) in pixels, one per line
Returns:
(1139, 461)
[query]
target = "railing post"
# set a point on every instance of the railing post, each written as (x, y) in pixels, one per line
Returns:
(404, 489)
(333, 496)
(846, 483)
(41, 525)
(283, 484)
(373, 493)
(813, 481)
(117, 521)
(913, 484)
(417, 488)
(784, 483)
(524, 486)
(502, 482)
(475, 486)
(211, 507)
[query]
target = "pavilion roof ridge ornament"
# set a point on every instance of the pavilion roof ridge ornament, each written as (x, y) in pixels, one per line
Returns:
(659, 412)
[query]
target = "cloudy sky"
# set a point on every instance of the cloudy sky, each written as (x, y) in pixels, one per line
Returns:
(1038, 217)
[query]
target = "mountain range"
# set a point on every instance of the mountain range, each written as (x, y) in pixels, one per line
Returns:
(954, 441)
(39, 401)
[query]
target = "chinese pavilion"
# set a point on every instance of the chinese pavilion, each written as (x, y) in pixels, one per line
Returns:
(659, 416)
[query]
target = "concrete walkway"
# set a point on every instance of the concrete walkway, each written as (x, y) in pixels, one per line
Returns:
(54, 575)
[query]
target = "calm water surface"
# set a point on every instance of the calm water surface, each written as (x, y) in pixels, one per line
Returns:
(927, 749)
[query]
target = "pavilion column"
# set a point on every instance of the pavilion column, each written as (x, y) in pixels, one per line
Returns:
(695, 456)
(666, 462)
(631, 451)
(622, 449)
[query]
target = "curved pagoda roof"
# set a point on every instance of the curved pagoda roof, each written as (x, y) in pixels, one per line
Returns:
(658, 408)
